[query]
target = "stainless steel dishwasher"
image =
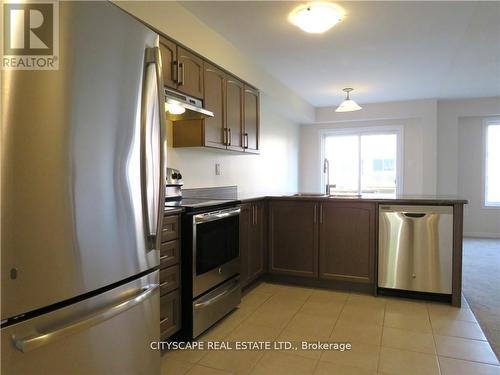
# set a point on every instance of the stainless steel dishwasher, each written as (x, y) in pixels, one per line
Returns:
(415, 248)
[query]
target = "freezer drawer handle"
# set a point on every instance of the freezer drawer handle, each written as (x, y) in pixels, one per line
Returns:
(27, 344)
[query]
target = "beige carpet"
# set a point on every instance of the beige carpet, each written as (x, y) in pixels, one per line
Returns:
(481, 285)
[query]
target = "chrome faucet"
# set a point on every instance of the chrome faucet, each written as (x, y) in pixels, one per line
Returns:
(326, 170)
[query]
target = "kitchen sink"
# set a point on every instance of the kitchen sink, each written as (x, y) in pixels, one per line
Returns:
(309, 195)
(321, 195)
(344, 196)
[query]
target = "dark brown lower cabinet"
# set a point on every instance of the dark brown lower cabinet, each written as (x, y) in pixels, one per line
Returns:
(245, 221)
(252, 241)
(170, 276)
(347, 241)
(293, 238)
(170, 314)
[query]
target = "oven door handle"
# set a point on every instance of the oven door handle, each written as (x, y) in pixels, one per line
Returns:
(218, 215)
(230, 288)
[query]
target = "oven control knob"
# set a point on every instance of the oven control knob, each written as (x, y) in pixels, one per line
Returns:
(179, 176)
(220, 271)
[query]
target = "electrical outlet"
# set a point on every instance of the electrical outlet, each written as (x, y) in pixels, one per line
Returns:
(218, 169)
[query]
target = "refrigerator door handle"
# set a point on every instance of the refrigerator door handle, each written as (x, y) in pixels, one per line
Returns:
(29, 343)
(153, 148)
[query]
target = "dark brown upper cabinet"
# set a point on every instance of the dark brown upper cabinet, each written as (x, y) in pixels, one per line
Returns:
(234, 113)
(235, 125)
(251, 120)
(168, 51)
(214, 127)
(293, 238)
(182, 70)
(226, 97)
(189, 73)
(347, 241)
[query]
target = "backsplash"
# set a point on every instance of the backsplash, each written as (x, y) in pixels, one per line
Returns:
(220, 192)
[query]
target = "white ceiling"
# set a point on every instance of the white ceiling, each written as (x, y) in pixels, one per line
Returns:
(385, 50)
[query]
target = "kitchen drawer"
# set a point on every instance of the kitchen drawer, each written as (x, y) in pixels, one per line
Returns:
(169, 279)
(169, 253)
(171, 228)
(170, 314)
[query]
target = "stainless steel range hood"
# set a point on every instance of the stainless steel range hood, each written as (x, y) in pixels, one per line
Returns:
(179, 106)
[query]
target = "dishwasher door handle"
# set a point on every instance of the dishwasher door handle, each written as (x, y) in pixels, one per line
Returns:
(415, 215)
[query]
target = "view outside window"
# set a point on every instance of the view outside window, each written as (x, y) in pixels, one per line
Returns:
(343, 154)
(492, 168)
(364, 163)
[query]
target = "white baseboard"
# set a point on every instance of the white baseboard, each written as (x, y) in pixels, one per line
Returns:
(481, 235)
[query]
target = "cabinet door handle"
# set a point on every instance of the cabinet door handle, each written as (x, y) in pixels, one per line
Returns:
(321, 214)
(175, 71)
(224, 136)
(229, 136)
(181, 68)
(245, 140)
(315, 212)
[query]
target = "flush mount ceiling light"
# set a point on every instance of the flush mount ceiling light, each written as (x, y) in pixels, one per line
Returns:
(316, 18)
(348, 105)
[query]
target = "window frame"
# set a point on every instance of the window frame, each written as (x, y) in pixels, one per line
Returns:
(484, 180)
(398, 130)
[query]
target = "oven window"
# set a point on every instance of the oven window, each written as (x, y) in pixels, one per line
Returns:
(217, 242)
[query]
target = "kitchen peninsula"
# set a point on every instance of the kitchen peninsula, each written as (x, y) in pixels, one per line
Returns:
(333, 241)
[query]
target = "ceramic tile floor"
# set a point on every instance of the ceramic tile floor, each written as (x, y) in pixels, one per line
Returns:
(388, 336)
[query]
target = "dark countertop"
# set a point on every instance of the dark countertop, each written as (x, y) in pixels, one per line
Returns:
(396, 199)
(173, 210)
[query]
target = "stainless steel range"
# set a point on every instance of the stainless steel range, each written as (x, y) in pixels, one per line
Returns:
(210, 257)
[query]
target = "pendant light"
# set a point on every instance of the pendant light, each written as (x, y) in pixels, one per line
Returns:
(348, 105)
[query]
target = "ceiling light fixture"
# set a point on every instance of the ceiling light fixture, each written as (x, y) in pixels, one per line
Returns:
(316, 18)
(348, 105)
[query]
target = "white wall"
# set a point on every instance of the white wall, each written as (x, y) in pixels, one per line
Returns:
(478, 220)
(440, 137)
(449, 113)
(442, 150)
(460, 159)
(418, 120)
(276, 168)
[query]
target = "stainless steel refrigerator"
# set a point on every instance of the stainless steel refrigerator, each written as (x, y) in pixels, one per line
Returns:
(83, 157)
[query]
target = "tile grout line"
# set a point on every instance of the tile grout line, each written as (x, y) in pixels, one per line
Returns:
(231, 331)
(343, 305)
(279, 333)
(380, 341)
(470, 360)
(433, 338)
(262, 356)
(331, 331)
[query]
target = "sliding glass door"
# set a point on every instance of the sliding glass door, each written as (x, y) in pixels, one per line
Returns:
(362, 162)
